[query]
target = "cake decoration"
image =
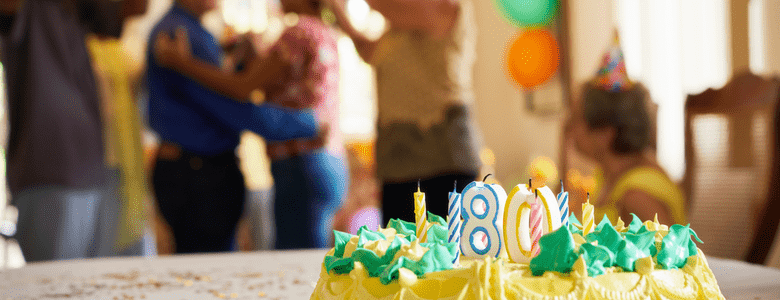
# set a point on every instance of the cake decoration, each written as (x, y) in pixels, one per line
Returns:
(563, 206)
(517, 219)
(382, 253)
(454, 221)
(483, 211)
(419, 213)
(636, 261)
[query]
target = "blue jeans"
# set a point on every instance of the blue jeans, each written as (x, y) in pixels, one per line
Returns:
(309, 189)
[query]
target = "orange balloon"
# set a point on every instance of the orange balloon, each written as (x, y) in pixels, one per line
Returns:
(533, 58)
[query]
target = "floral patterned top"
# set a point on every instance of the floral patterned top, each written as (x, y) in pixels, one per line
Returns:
(312, 79)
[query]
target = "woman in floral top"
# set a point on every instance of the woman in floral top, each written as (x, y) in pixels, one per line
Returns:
(300, 72)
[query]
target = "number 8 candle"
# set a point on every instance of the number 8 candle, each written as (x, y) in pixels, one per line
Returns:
(453, 221)
(488, 222)
(420, 214)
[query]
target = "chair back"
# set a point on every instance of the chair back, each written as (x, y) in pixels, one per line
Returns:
(729, 151)
(766, 233)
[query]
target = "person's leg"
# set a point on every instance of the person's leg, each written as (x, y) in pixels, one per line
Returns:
(218, 193)
(108, 218)
(290, 211)
(398, 201)
(56, 223)
(170, 184)
(309, 190)
(260, 211)
(327, 180)
(215, 193)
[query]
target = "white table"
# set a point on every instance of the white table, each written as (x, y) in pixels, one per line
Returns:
(255, 275)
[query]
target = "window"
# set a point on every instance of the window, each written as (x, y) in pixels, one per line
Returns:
(674, 48)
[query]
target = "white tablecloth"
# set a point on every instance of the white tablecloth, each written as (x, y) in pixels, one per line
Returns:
(256, 275)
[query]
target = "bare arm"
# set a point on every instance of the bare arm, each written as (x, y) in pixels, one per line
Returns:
(364, 45)
(645, 207)
(175, 53)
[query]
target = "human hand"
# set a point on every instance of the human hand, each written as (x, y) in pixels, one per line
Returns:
(172, 52)
(240, 46)
(322, 135)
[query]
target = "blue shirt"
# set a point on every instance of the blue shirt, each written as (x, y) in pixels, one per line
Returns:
(201, 121)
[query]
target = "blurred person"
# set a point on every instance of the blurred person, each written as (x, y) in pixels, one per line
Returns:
(116, 75)
(199, 187)
(56, 171)
(425, 131)
(611, 126)
(310, 178)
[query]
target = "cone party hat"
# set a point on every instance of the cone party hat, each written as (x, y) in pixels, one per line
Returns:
(612, 75)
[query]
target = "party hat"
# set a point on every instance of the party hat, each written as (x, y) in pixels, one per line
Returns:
(612, 75)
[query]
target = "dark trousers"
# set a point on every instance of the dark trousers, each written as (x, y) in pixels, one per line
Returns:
(398, 197)
(201, 198)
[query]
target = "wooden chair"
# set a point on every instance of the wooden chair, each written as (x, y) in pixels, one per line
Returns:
(769, 217)
(729, 151)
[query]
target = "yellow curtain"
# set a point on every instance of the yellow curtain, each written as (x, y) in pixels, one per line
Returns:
(122, 129)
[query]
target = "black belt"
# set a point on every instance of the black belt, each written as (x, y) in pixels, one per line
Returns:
(173, 152)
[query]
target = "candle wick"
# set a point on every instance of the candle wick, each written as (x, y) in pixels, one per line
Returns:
(418, 185)
(561, 185)
(486, 176)
(529, 184)
(455, 186)
(588, 197)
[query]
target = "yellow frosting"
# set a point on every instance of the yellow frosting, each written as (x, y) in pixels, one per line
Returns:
(413, 251)
(499, 279)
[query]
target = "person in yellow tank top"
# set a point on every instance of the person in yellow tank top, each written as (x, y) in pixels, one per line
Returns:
(611, 125)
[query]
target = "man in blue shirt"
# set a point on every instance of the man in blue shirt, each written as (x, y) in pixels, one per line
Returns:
(199, 187)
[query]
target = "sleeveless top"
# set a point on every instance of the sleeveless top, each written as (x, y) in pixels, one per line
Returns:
(648, 180)
(424, 91)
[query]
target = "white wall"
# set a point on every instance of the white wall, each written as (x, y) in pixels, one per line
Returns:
(515, 135)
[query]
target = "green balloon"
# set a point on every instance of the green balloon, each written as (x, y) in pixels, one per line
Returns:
(529, 13)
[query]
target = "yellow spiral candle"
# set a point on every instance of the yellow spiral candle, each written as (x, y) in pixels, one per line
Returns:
(420, 213)
(587, 217)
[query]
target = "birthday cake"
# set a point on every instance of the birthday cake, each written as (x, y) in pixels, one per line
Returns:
(532, 257)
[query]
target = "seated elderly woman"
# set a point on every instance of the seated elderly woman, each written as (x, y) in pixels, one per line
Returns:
(611, 126)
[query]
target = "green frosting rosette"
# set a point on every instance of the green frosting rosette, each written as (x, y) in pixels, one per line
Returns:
(557, 253)
(382, 256)
(606, 247)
